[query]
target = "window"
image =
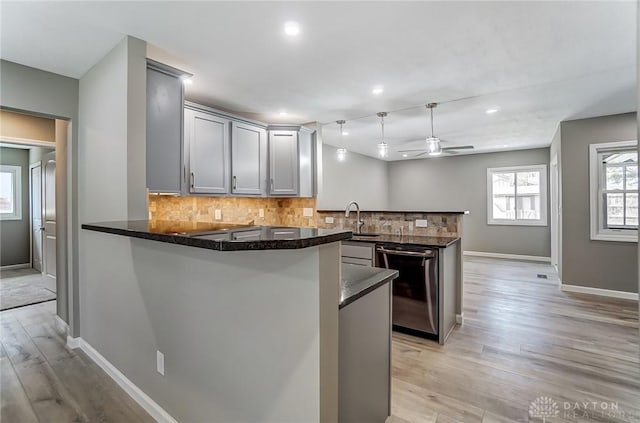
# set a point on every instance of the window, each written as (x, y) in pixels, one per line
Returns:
(614, 191)
(517, 195)
(10, 192)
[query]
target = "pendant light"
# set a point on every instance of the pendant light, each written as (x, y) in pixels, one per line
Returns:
(433, 143)
(341, 153)
(383, 147)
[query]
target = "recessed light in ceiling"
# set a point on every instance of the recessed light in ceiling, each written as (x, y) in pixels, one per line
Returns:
(283, 113)
(378, 89)
(291, 28)
(505, 145)
(405, 155)
(491, 111)
(345, 133)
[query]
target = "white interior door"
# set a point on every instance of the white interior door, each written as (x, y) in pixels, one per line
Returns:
(555, 211)
(35, 212)
(49, 252)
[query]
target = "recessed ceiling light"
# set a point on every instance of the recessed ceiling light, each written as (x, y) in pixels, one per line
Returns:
(405, 155)
(345, 133)
(291, 28)
(505, 145)
(378, 89)
(187, 81)
(283, 113)
(491, 111)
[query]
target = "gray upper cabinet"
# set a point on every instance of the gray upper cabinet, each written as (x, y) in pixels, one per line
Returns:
(283, 163)
(165, 165)
(208, 145)
(248, 159)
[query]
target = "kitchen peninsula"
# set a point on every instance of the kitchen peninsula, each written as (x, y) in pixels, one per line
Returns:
(246, 317)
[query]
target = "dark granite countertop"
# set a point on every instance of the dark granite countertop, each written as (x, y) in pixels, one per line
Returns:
(220, 236)
(398, 211)
(420, 240)
(358, 281)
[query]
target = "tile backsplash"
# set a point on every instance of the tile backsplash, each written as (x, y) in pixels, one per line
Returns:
(290, 212)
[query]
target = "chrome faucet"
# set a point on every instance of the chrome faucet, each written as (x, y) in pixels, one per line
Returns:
(359, 223)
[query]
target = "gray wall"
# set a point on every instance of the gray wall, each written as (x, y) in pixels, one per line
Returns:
(14, 234)
(37, 153)
(597, 264)
(460, 183)
(358, 178)
(36, 91)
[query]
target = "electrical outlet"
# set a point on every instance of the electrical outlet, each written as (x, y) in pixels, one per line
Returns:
(160, 362)
(261, 213)
(307, 212)
(410, 226)
(218, 214)
(328, 219)
(422, 223)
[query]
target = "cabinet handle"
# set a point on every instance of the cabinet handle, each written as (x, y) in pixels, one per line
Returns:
(271, 184)
(193, 179)
(234, 183)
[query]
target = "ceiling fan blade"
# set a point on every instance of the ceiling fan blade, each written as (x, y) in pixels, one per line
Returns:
(461, 147)
(421, 154)
(411, 151)
(452, 152)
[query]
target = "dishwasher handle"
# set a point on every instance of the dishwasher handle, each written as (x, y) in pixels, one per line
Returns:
(421, 254)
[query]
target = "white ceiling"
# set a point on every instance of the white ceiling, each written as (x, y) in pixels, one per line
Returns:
(539, 62)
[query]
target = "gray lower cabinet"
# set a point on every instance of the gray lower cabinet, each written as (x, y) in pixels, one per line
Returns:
(208, 140)
(165, 165)
(248, 159)
(283, 163)
(364, 362)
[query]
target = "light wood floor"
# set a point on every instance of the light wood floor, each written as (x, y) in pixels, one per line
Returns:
(42, 380)
(522, 339)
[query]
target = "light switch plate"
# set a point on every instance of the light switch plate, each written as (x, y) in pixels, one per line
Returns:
(328, 219)
(160, 362)
(307, 212)
(422, 223)
(218, 214)
(261, 213)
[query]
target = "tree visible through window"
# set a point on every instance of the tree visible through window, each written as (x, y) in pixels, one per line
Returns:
(517, 196)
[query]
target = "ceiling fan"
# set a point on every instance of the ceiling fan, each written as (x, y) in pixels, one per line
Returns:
(434, 147)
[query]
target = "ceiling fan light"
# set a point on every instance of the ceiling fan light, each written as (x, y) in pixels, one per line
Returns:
(383, 149)
(433, 146)
(341, 154)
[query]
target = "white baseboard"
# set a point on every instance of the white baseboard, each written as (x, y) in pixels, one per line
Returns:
(507, 256)
(144, 400)
(599, 291)
(16, 266)
(459, 318)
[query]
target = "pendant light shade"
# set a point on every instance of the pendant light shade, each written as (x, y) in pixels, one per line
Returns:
(341, 153)
(383, 147)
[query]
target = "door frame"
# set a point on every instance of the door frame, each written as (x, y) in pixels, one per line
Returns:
(31, 167)
(554, 178)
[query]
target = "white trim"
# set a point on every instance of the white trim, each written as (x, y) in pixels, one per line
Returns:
(459, 318)
(597, 230)
(16, 142)
(507, 256)
(600, 292)
(145, 401)
(544, 193)
(16, 266)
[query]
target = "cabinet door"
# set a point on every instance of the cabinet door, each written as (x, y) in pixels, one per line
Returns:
(248, 159)
(208, 153)
(164, 132)
(283, 163)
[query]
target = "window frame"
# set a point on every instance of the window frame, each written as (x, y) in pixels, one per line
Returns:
(17, 192)
(544, 193)
(598, 231)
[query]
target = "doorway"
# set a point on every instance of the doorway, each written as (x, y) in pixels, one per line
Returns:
(28, 271)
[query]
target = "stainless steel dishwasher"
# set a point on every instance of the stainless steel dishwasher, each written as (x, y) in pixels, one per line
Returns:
(415, 291)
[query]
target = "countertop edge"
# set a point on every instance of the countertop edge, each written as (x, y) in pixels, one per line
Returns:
(218, 245)
(382, 277)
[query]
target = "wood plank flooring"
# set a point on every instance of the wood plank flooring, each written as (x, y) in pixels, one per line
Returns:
(522, 339)
(42, 380)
